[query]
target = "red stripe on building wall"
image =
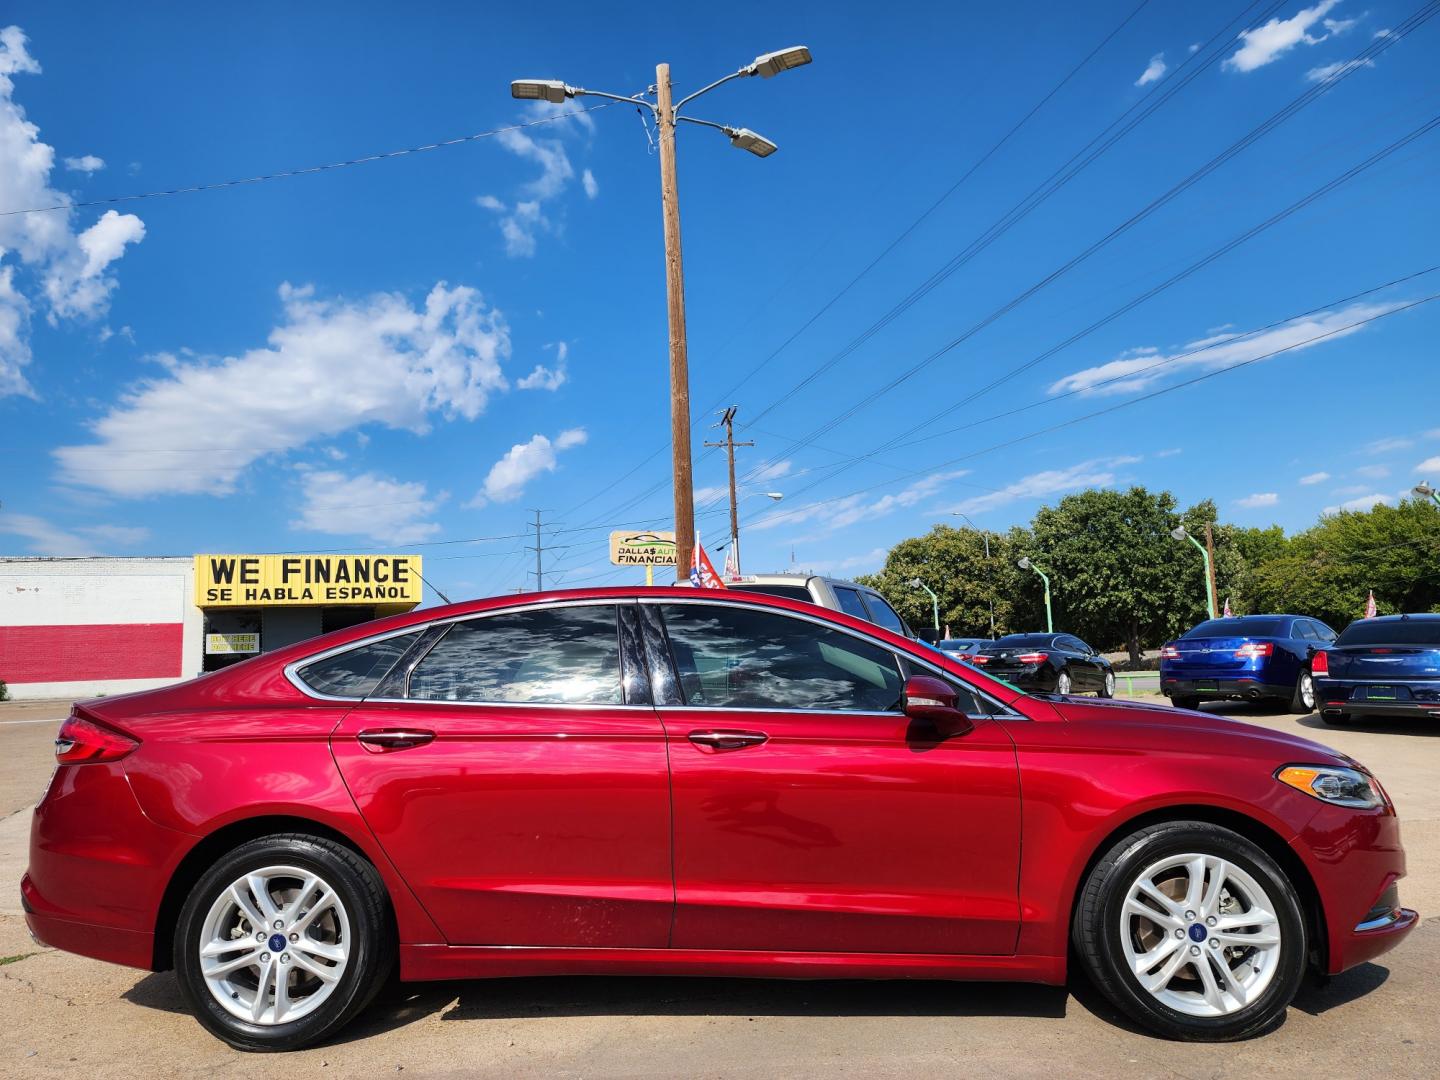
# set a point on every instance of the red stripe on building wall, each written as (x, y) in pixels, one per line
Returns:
(74, 653)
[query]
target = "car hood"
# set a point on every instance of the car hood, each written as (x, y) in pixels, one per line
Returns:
(1164, 722)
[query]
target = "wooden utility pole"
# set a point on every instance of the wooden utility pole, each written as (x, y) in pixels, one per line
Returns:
(675, 297)
(1210, 567)
(727, 421)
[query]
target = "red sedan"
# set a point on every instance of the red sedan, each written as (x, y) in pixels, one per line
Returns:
(670, 781)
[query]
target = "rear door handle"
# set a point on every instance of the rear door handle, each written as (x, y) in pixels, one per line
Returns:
(380, 740)
(727, 740)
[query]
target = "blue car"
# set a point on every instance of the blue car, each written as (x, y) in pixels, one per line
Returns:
(1245, 658)
(1388, 666)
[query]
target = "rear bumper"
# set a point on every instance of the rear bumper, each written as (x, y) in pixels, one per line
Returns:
(1036, 678)
(1243, 686)
(1348, 697)
(133, 948)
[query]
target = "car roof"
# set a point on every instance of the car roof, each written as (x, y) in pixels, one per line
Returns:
(1422, 616)
(796, 579)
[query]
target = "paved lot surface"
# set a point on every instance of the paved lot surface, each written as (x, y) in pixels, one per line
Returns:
(61, 1014)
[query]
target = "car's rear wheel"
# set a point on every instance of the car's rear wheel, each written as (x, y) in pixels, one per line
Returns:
(283, 941)
(1183, 701)
(1193, 931)
(1062, 683)
(1303, 700)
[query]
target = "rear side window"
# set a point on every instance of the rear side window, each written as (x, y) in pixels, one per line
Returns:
(356, 673)
(851, 604)
(559, 656)
(737, 658)
(1306, 630)
(1392, 632)
(883, 614)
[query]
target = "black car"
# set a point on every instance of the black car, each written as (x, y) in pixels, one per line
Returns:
(1047, 663)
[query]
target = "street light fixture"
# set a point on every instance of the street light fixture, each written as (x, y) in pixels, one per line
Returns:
(1026, 564)
(1180, 533)
(666, 113)
(916, 583)
(985, 536)
(1423, 489)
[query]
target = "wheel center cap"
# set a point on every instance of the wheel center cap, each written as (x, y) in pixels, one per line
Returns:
(1197, 933)
(277, 941)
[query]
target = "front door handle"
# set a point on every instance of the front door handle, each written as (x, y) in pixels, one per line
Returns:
(727, 740)
(380, 740)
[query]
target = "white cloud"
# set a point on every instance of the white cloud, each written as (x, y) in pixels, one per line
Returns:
(375, 507)
(1364, 502)
(42, 254)
(1136, 369)
(87, 163)
(1389, 445)
(1171, 452)
(1260, 498)
(46, 538)
(1373, 472)
(1348, 489)
(525, 220)
(522, 463)
(545, 378)
(1325, 71)
(1314, 478)
(1153, 71)
(1194, 48)
(1429, 465)
(1268, 43)
(870, 561)
(331, 365)
(838, 513)
(1086, 474)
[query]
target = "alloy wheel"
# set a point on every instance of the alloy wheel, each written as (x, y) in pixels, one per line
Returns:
(1307, 690)
(274, 945)
(1109, 684)
(1062, 683)
(1200, 935)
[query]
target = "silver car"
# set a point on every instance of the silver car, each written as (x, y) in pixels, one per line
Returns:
(833, 593)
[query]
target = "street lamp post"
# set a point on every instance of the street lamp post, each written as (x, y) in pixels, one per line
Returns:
(1423, 489)
(1179, 533)
(1026, 564)
(666, 113)
(916, 583)
(985, 536)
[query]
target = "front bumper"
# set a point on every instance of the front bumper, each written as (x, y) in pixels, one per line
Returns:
(1213, 689)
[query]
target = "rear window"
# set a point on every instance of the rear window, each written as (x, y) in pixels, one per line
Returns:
(1241, 628)
(1011, 641)
(789, 592)
(1396, 632)
(356, 673)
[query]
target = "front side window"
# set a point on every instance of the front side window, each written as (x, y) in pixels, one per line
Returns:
(560, 656)
(356, 673)
(737, 658)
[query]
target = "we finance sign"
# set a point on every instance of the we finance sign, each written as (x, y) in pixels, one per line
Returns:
(266, 580)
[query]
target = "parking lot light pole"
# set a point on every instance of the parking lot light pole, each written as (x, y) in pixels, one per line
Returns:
(916, 583)
(985, 536)
(1026, 564)
(666, 113)
(1179, 533)
(1423, 489)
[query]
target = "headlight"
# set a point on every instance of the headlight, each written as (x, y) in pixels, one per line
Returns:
(1334, 784)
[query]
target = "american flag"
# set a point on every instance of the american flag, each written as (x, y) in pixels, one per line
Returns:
(1227, 612)
(1370, 605)
(702, 570)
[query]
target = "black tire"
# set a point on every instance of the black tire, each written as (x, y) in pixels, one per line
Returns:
(1107, 685)
(1065, 676)
(1298, 704)
(1184, 701)
(372, 946)
(1098, 927)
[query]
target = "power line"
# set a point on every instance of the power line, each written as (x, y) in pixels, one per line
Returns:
(287, 173)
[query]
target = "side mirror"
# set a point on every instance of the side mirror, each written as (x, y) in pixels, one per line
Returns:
(930, 701)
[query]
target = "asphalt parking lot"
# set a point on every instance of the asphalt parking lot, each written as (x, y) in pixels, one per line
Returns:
(62, 1014)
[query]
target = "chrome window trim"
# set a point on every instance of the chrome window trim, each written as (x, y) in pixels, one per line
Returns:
(1004, 710)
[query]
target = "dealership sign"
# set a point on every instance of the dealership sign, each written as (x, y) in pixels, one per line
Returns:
(229, 644)
(267, 580)
(629, 548)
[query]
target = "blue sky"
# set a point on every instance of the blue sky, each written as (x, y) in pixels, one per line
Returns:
(418, 350)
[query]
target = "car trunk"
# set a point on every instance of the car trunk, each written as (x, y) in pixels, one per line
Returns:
(1211, 656)
(1387, 662)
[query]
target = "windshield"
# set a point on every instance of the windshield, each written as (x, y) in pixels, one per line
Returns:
(1392, 632)
(1243, 627)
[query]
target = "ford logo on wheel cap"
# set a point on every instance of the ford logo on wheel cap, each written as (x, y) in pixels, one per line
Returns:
(277, 943)
(1197, 933)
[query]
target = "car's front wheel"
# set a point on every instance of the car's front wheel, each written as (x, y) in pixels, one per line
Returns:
(1107, 688)
(1193, 931)
(283, 941)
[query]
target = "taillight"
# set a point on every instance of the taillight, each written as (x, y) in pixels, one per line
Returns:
(1032, 657)
(1254, 650)
(978, 659)
(82, 742)
(1320, 664)
(1169, 652)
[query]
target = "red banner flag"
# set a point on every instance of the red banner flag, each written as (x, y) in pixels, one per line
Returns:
(1370, 605)
(702, 570)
